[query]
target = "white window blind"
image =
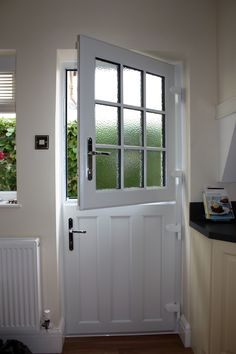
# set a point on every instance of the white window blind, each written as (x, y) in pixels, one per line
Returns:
(7, 84)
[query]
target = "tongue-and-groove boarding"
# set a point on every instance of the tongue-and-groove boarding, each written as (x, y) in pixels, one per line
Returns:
(122, 272)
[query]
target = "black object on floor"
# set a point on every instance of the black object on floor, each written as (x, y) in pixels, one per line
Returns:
(13, 346)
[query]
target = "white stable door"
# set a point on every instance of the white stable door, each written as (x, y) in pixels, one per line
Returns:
(122, 274)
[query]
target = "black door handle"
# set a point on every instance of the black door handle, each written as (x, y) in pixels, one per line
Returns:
(92, 153)
(71, 232)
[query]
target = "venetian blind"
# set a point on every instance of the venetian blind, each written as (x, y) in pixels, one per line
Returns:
(7, 84)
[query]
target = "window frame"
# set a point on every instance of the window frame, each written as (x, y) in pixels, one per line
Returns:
(66, 68)
(8, 67)
(8, 106)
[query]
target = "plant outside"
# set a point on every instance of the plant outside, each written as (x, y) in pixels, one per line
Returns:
(7, 154)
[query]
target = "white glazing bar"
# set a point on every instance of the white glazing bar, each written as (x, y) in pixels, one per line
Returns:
(144, 129)
(121, 165)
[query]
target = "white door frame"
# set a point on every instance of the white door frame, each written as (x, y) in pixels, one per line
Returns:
(68, 60)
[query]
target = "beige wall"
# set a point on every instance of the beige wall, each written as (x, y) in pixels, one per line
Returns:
(226, 49)
(184, 30)
(226, 52)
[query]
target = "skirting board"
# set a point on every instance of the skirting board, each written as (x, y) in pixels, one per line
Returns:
(185, 331)
(50, 341)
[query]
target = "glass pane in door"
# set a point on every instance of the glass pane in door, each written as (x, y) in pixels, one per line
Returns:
(155, 169)
(106, 81)
(133, 168)
(108, 169)
(107, 124)
(132, 87)
(133, 132)
(155, 129)
(154, 92)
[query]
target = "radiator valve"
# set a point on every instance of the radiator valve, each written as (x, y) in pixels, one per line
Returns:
(46, 319)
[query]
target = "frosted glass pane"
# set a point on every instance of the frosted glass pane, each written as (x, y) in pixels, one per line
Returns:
(154, 130)
(133, 169)
(155, 169)
(132, 86)
(108, 170)
(107, 131)
(132, 127)
(154, 92)
(106, 81)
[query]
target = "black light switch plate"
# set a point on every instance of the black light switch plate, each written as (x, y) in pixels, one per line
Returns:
(41, 142)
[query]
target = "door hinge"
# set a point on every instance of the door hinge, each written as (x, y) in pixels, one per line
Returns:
(177, 174)
(173, 307)
(174, 228)
(179, 92)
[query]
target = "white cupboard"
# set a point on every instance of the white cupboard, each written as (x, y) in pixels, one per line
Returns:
(213, 295)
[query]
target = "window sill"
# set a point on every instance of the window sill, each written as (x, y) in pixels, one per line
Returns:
(71, 202)
(8, 205)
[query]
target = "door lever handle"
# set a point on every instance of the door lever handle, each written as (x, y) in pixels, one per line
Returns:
(90, 154)
(99, 153)
(77, 231)
(71, 232)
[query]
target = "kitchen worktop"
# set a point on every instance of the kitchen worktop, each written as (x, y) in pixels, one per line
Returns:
(217, 230)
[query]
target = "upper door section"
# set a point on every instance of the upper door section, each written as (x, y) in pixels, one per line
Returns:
(126, 127)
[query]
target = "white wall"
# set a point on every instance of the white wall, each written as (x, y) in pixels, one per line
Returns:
(184, 30)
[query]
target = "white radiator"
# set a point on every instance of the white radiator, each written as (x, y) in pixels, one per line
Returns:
(20, 300)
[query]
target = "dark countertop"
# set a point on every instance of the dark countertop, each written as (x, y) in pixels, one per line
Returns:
(217, 230)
